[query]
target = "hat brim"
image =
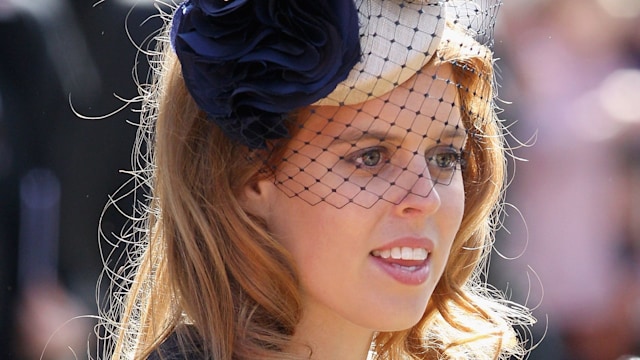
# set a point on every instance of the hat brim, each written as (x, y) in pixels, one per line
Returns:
(398, 38)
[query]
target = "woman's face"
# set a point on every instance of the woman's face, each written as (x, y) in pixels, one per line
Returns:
(378, 201)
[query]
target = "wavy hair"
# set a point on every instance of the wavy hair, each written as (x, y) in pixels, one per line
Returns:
(195, 257)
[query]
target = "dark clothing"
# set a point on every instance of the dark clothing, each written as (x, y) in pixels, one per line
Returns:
(182, 344)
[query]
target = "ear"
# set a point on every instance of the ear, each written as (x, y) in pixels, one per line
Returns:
(256, 197)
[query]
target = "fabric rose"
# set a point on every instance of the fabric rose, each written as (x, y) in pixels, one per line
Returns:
(248, 63)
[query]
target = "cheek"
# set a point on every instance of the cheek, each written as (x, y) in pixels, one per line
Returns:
(320, 233)
(455, 199)
(301, 228)
(453, 206)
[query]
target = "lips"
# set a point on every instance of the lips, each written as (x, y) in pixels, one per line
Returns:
(406, 260)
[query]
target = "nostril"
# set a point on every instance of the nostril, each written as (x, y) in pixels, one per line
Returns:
(410, 211)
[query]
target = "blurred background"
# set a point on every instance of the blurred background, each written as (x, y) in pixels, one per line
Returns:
(56, 169)
(570, 247)
(571, 86)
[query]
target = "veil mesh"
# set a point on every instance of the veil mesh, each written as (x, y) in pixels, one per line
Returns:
(386, 149)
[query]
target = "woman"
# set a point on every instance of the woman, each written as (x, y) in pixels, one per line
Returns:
(324, 180)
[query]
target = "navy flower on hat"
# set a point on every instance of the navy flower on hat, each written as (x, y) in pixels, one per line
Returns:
(248, 63)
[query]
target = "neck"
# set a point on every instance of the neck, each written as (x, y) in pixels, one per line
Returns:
(329, 336)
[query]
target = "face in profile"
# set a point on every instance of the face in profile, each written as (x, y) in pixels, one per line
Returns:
(368, 200)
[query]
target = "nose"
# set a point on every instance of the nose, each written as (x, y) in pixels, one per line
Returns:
(421, 198)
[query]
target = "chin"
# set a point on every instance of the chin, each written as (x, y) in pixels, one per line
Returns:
(397, 320)
(403, 316)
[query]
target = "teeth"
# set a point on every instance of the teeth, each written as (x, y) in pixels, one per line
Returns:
(402, 253)
(385, 254)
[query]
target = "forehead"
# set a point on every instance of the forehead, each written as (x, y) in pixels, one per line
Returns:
(425, 104)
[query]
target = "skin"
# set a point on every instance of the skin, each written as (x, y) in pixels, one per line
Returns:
(347, 295)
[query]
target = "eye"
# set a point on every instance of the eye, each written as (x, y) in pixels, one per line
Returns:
(445, 158)
(369, 158)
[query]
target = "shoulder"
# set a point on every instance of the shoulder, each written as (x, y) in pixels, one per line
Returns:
(182, 344)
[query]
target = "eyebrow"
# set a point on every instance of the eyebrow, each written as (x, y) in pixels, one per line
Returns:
(353, 134)
(453, 132)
